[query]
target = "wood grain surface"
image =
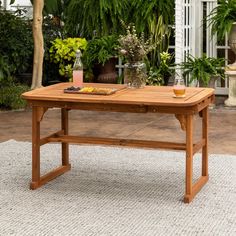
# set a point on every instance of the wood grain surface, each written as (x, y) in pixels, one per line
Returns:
(150, 95)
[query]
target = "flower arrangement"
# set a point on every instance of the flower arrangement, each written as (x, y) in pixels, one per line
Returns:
(132, 47)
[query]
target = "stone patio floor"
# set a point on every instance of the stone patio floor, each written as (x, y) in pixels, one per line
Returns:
(222, 131)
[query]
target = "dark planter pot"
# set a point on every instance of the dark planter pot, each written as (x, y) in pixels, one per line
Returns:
(106, 73)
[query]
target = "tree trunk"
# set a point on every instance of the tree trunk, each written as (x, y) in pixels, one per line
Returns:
(38, 43)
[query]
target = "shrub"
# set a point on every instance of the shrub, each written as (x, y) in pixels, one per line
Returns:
(16, 41)
(63, 52)
(10, 96)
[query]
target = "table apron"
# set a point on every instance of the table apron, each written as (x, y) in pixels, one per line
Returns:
(130, 108)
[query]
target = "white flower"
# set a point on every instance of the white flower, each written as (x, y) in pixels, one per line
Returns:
(123, 51)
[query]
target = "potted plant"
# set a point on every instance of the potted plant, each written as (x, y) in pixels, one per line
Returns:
(101, 57)
(203, 69)
(160, 75)
(223, 21)
(62, 53)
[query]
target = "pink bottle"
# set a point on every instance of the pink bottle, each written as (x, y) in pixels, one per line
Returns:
(78, 71)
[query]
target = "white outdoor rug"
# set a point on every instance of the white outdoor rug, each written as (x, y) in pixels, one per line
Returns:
(114, 191)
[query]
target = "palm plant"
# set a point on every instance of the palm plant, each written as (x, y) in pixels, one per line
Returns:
(100, 17)
(154, 18)
(222, 17)
(146, 11)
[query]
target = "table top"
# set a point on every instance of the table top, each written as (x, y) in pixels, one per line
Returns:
(149, 95)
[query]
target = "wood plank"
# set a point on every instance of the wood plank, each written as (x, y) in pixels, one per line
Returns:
(35, 144)
(205, 120)
(92, 106)
(45, 140)
(196, 188)
(65, 128)
(189, 155)
(49, 176)
(198, 146)
(118, 142)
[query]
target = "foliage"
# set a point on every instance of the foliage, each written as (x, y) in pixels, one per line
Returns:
(100, 50)
(222, 17)
(154, 18)
(10, 94)
(55, 8)
(92, 17)
(146, 11)
(132, 47)
(154, 77)
(16, 42)
(62, 52)
(160, 75)
(51, 31)
(4, 68)
(203, 68)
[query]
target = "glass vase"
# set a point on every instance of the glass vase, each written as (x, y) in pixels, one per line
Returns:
(135, 74)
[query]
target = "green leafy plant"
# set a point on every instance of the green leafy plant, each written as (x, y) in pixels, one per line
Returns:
(100, 50)
(11, 96)
(203, 68)
(144, 12)
(154, 77)
(93, 17)
(154, 19)
(10, 93)
(16, 41)
(4, 68)
(161, 74)
(222, 17)
(62, 53)
(51, 31)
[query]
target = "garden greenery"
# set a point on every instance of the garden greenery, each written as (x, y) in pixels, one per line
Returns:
(16, 42)
(95, 17)
(100, 50)
(202, 69)
(62, 52)
(222, 17)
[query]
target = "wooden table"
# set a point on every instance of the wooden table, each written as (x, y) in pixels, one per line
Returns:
(148, 99)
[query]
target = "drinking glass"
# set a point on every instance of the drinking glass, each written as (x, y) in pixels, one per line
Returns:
(179, 88)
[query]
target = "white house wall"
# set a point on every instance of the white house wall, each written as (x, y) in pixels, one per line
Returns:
(21, 3)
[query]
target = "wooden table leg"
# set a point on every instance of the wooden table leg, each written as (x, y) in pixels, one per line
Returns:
(65, 128)
(193, 189)
(37, 180)
(35, 147)
(189, 159)
(205, 118)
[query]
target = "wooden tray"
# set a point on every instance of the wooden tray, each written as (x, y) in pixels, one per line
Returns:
(98, 91)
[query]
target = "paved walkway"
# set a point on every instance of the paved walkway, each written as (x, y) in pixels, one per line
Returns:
(17, 125)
